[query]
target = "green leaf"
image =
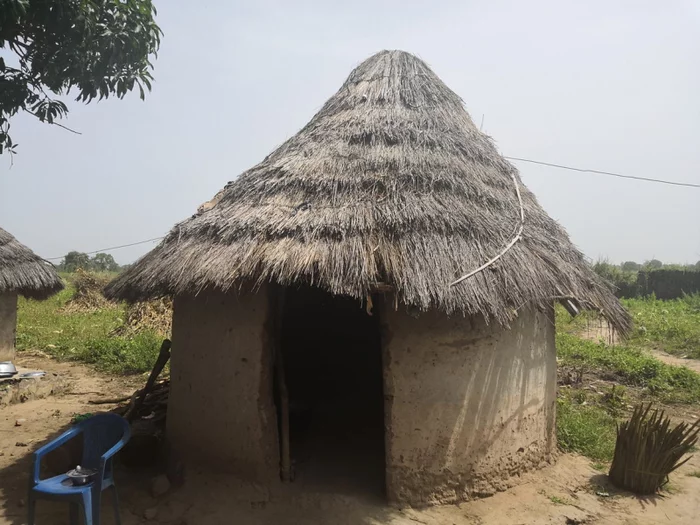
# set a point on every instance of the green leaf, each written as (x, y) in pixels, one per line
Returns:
(96, 48)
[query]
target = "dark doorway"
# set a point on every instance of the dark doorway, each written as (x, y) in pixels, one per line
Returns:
(333, 371)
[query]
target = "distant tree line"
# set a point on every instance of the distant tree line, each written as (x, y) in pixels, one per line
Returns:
(100, 262)
(632, 279)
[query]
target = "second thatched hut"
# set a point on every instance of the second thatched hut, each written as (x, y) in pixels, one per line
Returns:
(22, 272)
(318, 305)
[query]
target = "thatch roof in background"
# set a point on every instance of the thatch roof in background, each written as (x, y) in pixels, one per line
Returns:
(391, 182)
(24, 272)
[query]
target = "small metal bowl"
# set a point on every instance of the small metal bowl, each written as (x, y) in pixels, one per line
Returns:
(7, 369)
(81, 476)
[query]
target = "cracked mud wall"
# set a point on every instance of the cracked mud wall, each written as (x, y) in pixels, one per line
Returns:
(468, 405)
(8, 325)
(221, 413)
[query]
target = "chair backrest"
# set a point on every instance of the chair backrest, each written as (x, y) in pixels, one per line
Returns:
(100, 433)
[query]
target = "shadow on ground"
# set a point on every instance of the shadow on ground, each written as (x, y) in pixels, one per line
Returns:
(204, 499)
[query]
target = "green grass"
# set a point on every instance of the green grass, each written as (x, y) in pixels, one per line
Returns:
(600, 466)
(586, 423)
(631, 366)
(695, 473)
(671, 326)
(587, 429)
(84, 336)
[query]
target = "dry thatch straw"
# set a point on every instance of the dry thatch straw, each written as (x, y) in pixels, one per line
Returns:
(391, 182)
(88, 295)
(155, 315)
(648, 450)
(24, 272)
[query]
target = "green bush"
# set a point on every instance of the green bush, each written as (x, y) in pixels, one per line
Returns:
(624, 282)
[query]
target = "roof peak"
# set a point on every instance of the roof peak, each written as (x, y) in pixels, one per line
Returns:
(393, 78)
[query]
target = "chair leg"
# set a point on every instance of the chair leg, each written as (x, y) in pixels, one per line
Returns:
(96, 499)
(115, 501)
(74, 513)
(88, 509)
(31, 510)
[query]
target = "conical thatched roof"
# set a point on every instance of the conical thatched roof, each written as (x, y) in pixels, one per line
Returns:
(24, 272)
(391, 182)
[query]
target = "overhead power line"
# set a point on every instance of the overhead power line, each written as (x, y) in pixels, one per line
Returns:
(531, 161)
(582, 170)
(110, 249)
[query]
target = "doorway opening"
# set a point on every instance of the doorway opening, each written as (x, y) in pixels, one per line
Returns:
(332, 357)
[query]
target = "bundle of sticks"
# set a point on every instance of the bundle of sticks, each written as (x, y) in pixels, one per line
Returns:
(149, 406)
(146, 411)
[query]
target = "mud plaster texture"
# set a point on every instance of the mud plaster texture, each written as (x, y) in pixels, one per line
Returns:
(468, 405)
(221, 413)
(8, 326)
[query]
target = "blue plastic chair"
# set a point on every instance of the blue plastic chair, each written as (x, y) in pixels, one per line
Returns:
(103, 436)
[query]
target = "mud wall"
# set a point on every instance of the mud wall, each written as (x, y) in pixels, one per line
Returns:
(221, 413)
(468, 405)
(8, 326)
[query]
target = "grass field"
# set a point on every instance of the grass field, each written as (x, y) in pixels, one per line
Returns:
(586, 420)
(671, 326)
(84, 336)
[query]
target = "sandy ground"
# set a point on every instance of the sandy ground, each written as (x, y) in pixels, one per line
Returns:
(569, 492)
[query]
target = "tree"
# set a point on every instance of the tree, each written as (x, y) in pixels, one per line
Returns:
(74, 260)
(97, 48)
(104, 262)
(654, 264)
(631, 266)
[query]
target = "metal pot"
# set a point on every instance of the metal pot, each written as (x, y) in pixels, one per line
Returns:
(7, 369)
(80, 475)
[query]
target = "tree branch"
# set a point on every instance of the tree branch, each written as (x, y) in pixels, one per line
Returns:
(54, 123)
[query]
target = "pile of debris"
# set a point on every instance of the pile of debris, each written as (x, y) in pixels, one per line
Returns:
(146, 411)
(155, 315)
(88, 293)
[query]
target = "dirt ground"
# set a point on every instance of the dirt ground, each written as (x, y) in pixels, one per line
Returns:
(569, 492)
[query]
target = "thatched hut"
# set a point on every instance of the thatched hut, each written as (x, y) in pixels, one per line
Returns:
(325, 279)
(22, 272)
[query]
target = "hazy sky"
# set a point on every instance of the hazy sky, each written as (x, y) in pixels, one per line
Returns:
(606, 85)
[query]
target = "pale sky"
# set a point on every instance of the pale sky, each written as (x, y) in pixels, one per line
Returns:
(612, 86)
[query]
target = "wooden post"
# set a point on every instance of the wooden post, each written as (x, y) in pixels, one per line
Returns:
(285, 453)
(285, 459)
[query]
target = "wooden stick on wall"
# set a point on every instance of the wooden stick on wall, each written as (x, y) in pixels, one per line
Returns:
(285, 454)
(285, 459)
